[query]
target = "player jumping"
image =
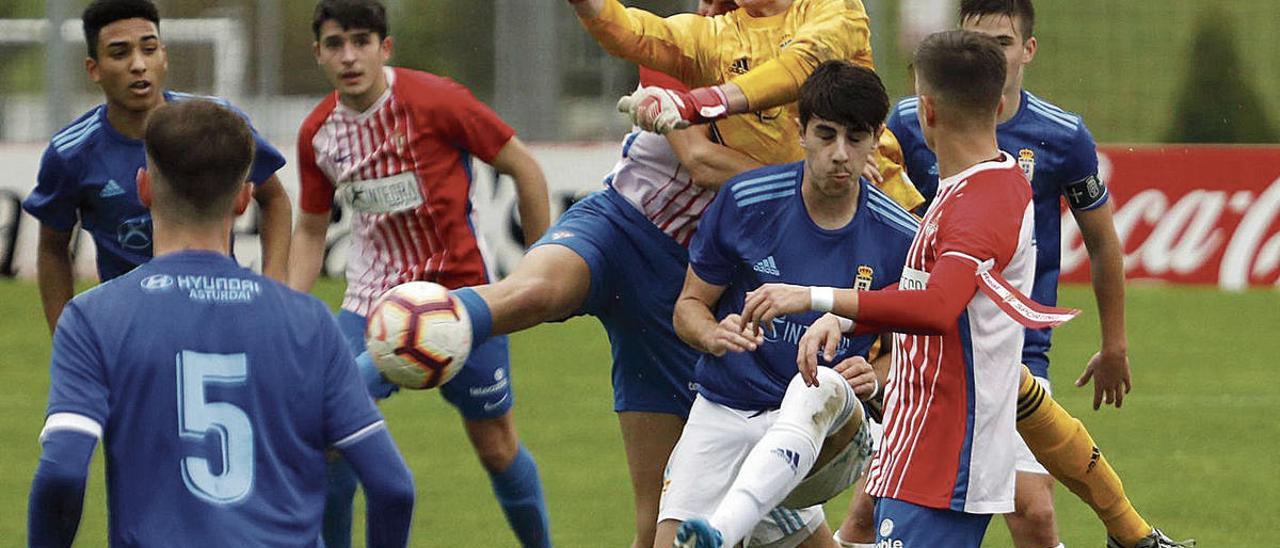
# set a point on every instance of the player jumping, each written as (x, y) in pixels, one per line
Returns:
(620, 254)
(756, 429)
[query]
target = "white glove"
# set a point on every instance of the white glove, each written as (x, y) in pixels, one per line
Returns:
(654, 109)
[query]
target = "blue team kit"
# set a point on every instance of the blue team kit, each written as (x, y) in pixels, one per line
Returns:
(758, 231)
(251, 465)
(636, 275)
(1058, 155)
(89, 174)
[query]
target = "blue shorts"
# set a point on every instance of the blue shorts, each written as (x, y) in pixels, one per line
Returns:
(636, 275)
(480, 390)
(905, 525)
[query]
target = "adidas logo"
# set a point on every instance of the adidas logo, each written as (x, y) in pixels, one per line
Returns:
(792, 458)
(740, 66)
(767, 266)
(110, 190)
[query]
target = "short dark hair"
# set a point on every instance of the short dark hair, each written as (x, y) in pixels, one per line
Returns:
(1020, 11)
(105, 12)
(846, 94)
(351, 14)
(202, 151)
(963, 70)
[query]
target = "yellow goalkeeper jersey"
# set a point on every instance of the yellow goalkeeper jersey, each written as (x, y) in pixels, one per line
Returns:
(767, 57)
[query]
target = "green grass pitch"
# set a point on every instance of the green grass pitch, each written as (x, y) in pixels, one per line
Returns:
(1195, 442)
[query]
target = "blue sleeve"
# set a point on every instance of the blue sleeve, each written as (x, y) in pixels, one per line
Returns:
(710, 257)
(348, 409)
(78, 380)
(57, 492)
(388, 488)
(1080, 183)
(54, 201)
(894, 124)
(266, 160)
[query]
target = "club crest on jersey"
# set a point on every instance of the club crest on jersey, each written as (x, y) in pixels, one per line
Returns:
(863, 281)
(1027, 161)
(399, 141)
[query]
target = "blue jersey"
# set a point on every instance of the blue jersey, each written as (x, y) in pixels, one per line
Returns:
(89, 174)
(218, 392)
(1057, 153)
(758, 231)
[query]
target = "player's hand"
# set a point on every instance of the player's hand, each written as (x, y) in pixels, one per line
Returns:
(730, 335)
(871, 170)
(772, 300)
(1110, 374)
(823, 336)
(662, 110)
(860, 376)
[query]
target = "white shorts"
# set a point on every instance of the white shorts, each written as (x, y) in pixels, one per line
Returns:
(715, 441)
(1024, 460)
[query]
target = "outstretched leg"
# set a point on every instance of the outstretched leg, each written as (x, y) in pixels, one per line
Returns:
(786, 453)
(550, 283)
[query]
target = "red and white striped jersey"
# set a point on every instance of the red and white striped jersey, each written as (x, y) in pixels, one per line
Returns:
(404, 168)
(950, 408)
(650, 177)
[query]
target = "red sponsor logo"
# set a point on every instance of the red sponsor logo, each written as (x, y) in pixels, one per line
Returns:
(1199, 214)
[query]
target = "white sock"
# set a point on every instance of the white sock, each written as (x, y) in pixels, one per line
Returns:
(785, 454)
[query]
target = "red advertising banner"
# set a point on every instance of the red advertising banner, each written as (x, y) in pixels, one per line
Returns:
(1190, 214)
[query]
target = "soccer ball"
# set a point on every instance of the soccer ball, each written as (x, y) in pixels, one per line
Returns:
(418, 335)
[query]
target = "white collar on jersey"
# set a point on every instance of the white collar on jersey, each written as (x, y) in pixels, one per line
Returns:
(382, 99)
(1005, 162)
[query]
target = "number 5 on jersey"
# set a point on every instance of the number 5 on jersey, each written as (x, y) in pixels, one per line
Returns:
(198, 418)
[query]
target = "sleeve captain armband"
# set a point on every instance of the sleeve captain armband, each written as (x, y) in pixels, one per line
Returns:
(1085, 194)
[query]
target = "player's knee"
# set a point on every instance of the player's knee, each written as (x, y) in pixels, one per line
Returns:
(496, 452)
(861, 522)
(829, 401)
(540, 296)
(1035, 517)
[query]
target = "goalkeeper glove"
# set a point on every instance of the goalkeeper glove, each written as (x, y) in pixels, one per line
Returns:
(661, 110)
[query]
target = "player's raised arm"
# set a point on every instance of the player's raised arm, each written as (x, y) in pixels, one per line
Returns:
(514, 159)
(832, 29)
(710, 164)
(836, 29)
(673, 45)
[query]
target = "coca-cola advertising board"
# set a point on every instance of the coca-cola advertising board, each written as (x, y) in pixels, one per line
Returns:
(1190, 214)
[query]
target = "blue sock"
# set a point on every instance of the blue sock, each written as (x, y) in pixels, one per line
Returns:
(379, 387)
(519, 491)
(337, 504)
(478, 311)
